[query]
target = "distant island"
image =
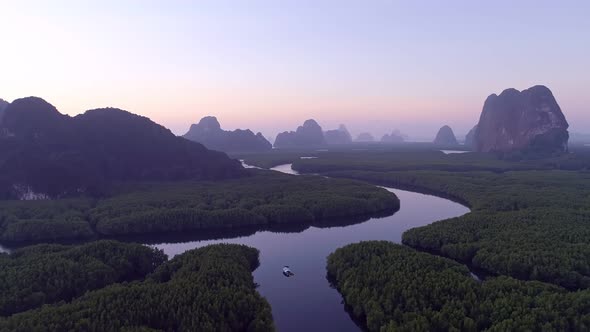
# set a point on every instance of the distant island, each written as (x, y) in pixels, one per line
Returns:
(307, 135)
(209, 133)
(445, 136)
(365, 137)
(395, 137)
(338, 136)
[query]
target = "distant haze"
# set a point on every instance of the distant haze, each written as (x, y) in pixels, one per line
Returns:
(269, 65)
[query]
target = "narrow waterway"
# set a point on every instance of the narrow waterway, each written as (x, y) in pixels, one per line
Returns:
(306, 301)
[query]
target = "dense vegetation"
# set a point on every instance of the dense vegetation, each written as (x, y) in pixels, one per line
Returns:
(265, 198)
(406, 159)
(529, 221)
(44, 152)
(415, 156)
(44, 220)
(531, 225)
(36, 275)
(206, 289)
(262, 199)
(394, 288)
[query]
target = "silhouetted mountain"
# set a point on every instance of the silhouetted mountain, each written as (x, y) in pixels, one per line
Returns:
(516, 120)
(44, 153)
(395, 137)
(445, 136)
(3, 105)
(308, 135)
(365, 137)
(470, 137)
(338, 136)
(209, 133)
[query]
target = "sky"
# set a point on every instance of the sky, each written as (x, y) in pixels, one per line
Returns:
(269, 65)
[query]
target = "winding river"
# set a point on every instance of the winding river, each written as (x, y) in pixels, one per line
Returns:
(306, 301)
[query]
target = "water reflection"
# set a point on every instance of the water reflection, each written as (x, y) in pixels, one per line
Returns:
(241, 232)
(306, 301)
(285, 169)
(453, 151)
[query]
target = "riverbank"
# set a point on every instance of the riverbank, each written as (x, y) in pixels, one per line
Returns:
(264, 199)
(307, 301)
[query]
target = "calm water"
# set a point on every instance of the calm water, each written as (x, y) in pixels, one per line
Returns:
(453, 151)
(306, 302)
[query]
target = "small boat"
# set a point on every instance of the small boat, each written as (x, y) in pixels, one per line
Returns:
(287, 271)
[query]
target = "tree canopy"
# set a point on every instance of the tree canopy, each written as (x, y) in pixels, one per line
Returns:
(206, 289)
(263, 199)
(390, 287)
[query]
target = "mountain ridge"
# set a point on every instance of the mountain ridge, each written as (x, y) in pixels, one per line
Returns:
(54, 155)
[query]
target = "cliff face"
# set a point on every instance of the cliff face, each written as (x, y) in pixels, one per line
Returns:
(209, 133)
(445, 136)
(470, 137)
(517, 120)
(308, 135)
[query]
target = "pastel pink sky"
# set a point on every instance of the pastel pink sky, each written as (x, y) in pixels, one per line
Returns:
(269, 65)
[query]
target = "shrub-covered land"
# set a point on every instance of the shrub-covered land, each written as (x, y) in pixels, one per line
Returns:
(49, 273)
(44, 220)
(413, 156)
(529, 220)
(394, 288)
(531, 225)
(262, 199)
(265, 198)
(206, 289)
(488, 191)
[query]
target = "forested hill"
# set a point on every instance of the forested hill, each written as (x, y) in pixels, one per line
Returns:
(45, 153)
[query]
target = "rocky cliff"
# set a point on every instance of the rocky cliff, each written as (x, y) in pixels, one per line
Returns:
(209, 133)
(517, 120)
(445, 136)
(310, 134)
(470, 137)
